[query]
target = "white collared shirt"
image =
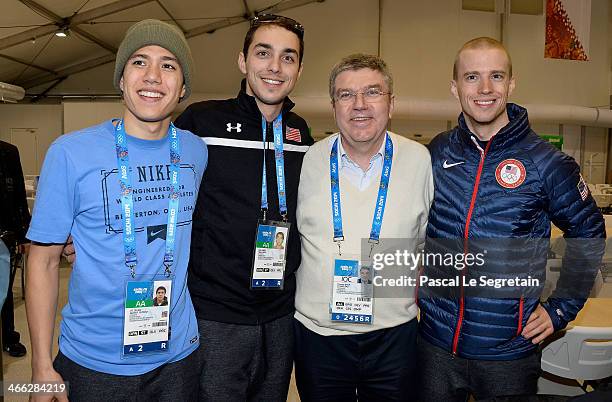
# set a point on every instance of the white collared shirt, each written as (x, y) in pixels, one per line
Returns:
(354, 173)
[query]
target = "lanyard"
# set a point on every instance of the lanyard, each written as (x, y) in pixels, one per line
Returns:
(127, 200)
(381, 199)
(277, 127)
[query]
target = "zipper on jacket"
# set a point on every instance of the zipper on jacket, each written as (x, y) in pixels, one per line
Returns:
(483, 153)
(519, 328)
(416, 287)
(269, 132)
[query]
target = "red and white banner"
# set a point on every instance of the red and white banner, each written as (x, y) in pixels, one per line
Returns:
(568, 29)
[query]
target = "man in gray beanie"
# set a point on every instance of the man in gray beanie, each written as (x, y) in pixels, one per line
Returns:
(125, 191)
(154, 32)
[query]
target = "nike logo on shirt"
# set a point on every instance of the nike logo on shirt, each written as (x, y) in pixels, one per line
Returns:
(156, 232)
(153, 234)
(447, 165)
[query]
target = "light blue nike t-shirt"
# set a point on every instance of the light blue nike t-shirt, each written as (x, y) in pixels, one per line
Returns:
(79, 195)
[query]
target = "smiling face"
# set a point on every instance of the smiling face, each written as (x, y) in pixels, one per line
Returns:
(272, 64)
(362, 122)
(152, 84)
(482, 86)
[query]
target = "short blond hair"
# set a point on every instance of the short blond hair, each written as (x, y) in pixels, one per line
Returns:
(484, 42)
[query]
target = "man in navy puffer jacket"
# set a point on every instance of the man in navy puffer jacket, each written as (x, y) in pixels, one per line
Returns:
(498, 184)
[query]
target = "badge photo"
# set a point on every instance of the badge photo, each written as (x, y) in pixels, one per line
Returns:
(269, 258)
(146, 321)
(510, 173)
(352, 291)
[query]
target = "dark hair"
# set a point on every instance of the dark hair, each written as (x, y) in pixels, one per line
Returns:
(263, 20)
(161, 287)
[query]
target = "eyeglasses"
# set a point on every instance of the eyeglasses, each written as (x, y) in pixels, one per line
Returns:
(283, 21)
(370, 95)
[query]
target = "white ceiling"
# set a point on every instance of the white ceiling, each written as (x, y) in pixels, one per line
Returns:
(33, 57)
(417, 38)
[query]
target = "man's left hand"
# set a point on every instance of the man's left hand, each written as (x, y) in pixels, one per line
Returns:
(539, 325)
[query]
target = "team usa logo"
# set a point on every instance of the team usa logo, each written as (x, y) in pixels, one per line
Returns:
(510, 173)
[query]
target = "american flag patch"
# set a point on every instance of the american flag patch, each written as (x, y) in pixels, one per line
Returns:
(293, 134)
(583, 189)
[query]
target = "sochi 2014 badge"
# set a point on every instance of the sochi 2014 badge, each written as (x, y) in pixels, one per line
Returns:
(510, 173)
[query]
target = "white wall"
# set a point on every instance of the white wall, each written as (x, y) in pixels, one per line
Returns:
(81, 114)
(595, 155)
(610, 49)
(419, 40)
(541, 80)
(45, 122)
(572, 141)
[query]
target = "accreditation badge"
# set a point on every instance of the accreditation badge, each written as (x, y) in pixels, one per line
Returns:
(146, 322)
(270, 256)
(352, 290)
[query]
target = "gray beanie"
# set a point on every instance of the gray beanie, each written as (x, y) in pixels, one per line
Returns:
(155, 32)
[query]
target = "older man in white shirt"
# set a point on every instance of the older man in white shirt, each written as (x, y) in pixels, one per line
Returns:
(363, 182)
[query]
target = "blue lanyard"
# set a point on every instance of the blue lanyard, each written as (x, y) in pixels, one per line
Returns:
(277, 127)
(127, 200)
(381, 199)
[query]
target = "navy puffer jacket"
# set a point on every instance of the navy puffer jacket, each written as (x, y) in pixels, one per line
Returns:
(510, 187)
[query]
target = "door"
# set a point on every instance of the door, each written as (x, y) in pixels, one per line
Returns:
(26, 140)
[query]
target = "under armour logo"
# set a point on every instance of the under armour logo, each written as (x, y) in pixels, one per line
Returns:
(237, 127)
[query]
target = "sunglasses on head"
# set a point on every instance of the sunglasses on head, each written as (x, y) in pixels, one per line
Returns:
(283, 21)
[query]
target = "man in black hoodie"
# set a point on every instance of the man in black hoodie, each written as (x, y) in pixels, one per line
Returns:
(244, 310)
